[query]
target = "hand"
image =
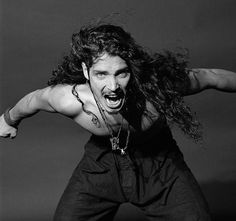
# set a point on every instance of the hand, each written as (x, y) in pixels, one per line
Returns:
(7, 130)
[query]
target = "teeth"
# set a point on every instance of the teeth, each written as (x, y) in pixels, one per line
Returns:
(112, 102)
(113, 96)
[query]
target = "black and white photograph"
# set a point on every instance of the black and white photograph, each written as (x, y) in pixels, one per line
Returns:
(117, 110)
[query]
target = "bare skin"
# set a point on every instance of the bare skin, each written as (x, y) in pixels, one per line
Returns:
(106, 75)
(64, 102)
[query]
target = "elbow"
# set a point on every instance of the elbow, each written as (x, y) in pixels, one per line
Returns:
(32, 101)
(39, 100)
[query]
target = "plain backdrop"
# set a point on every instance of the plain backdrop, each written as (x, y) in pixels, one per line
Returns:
(35, 34)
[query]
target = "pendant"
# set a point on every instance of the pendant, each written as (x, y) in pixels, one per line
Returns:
(122, 152)
(114, 143)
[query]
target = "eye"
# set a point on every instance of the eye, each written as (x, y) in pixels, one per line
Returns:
(124, 74)
(100, 75)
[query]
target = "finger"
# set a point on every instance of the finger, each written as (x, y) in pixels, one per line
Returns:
(12, 136)
(4, 135)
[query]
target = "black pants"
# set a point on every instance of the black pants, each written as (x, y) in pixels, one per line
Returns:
(156, 179)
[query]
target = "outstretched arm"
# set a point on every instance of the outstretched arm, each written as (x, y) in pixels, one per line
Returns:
(219, 79)
(51, 99)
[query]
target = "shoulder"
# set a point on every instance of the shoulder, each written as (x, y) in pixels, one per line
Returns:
(62, 99)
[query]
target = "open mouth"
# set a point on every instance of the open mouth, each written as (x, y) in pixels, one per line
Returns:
(114, 100)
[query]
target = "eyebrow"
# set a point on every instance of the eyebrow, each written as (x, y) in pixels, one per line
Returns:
(125, 69)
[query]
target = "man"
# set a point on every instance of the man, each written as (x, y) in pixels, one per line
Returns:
(126, 98)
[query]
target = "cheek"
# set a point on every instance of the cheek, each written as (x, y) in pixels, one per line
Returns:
(124, 82)
(97, 87)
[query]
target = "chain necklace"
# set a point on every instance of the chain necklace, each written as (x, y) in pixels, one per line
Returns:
(122, 150)
(115, 141)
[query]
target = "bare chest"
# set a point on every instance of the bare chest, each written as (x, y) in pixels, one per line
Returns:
(92, 120)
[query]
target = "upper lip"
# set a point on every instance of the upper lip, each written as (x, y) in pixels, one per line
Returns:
(117, 94)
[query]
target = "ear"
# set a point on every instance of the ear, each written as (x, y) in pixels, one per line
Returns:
(85, 70)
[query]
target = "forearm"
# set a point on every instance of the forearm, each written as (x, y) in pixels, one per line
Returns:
(30, 105)
(56, 99)
(219, 79)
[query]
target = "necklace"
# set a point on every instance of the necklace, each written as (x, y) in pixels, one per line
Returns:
(122, 150)
(115, 141)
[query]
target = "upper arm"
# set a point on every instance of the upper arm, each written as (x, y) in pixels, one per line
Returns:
(58, 99)
(200, 79)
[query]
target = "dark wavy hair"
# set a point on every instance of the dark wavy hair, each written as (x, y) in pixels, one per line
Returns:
(160, 78)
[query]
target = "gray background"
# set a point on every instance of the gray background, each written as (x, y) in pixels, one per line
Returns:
(36, 166)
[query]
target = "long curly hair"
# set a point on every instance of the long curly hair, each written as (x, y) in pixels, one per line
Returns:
(160, 78)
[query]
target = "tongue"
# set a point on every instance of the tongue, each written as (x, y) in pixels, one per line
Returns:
(113, 102)
(113, 98)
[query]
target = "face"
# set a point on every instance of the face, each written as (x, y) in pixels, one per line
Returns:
(109, 77)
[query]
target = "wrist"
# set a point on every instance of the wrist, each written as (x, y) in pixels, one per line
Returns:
(11, 122)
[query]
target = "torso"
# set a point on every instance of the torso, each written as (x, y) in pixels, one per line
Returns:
(85, 120)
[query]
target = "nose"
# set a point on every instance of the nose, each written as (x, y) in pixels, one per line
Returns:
(113, 84)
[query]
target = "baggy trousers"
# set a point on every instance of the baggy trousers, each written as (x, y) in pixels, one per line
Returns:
(152, 175)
